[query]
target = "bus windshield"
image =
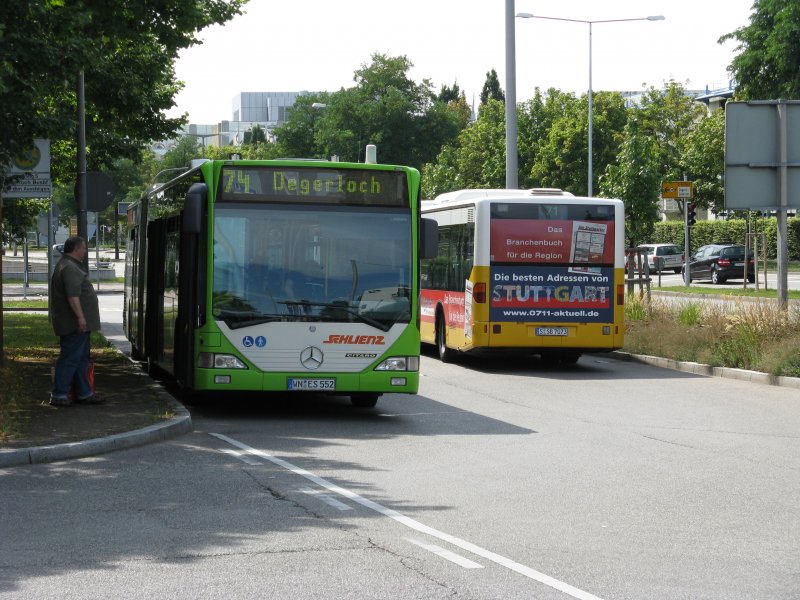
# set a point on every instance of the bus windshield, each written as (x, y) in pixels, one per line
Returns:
(282, 262)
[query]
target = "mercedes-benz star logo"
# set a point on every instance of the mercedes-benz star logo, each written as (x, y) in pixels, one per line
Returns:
(311, 358)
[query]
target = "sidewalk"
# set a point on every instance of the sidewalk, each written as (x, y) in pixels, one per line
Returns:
(136, 411)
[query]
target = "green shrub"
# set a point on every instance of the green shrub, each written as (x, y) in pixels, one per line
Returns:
(690, 313)
(746, 335)
(731, 230)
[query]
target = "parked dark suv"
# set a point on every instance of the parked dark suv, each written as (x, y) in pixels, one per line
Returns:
(720, 262)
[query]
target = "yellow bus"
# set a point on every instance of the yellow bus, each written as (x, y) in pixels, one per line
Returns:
(537, 271)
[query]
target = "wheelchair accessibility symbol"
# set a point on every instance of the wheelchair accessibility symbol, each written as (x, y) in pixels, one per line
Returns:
(249, 342)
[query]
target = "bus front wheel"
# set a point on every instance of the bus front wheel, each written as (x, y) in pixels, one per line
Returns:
(445, 353)
(364, 400)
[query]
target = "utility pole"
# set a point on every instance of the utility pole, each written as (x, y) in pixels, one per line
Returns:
(512, 175)
(80, 188)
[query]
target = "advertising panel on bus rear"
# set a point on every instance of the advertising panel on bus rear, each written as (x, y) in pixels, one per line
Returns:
(551, 294)
(551, 270)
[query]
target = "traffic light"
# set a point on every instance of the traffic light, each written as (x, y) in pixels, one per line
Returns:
(691, 214)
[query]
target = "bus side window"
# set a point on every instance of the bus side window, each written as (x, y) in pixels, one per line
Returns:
(439, 265)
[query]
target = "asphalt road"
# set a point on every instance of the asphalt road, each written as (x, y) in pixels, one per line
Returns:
(501, 479)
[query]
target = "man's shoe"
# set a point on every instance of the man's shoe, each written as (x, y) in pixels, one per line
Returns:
(93, 399)
(60, 401)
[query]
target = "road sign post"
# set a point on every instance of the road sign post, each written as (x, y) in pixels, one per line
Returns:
(762, 166)
(683, 190)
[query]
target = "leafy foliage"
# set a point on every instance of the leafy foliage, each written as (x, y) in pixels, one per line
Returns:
(126, 51)
(730, 230)
(451, 94)
(743, 335)
(703, 160)
(636, 180)
(19, 217)
(491, 89)
(406, 120)
(767, 66)
(254, 136)
(477, 160)
(562, 159)
(668, 116)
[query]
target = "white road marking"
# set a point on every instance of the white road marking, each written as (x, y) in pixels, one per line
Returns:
(241, 456)
(416, 525)
(446, 554)
(330, 500)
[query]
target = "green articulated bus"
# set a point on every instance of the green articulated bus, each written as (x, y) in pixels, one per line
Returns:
(279, 276)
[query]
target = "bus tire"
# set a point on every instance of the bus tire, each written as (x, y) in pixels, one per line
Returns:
(446, 355)
(570, 358)
(364, 400)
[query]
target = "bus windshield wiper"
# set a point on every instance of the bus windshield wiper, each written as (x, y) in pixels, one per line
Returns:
(361, 317)
(236, 320)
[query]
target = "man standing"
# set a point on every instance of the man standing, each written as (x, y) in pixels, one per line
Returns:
(75, 314)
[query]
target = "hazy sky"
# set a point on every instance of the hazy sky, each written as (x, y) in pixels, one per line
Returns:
(316, 45)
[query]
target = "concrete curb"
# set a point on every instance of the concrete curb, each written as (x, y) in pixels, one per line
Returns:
(178, 425)
(709, 371)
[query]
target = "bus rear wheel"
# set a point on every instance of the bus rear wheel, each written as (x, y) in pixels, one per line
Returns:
(364, 400)
(445, 353)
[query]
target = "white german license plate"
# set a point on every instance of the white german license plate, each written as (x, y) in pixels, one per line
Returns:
(558, 331)
(312, 384)
(741, 264)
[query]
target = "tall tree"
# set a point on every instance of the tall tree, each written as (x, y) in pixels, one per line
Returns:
(476, 160)
(20, 217)
(296, 136)
(668, 115)
(636, 180)
(254, 136)
(562, 157)
(442, 175)
(534, 120)
(767, 66)
(386, 108)
(703, 161)
(450, 94)
(491, 89)
(127, 51)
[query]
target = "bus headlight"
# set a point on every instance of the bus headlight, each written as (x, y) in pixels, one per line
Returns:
(210, 360)
(399, 363)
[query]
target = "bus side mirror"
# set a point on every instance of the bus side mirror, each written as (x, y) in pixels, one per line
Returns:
(193, 208)
(429, 238)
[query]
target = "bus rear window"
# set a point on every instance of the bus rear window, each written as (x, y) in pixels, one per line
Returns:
(560, 212)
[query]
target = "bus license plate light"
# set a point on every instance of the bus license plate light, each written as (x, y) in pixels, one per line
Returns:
(311, 385)
(552, 331)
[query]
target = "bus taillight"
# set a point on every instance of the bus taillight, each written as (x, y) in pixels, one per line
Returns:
(621, 294)
(479, 293)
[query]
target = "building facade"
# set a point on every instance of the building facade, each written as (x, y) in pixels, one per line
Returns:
(268, 110)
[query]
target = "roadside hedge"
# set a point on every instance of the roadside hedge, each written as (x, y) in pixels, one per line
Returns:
(732, 230)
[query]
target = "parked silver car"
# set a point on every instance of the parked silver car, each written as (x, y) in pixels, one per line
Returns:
(668, 256)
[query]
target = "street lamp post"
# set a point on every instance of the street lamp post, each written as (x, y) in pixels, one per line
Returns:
(590, 23)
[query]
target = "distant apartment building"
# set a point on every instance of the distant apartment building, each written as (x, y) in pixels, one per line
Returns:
(267, 107)
(268, 110)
